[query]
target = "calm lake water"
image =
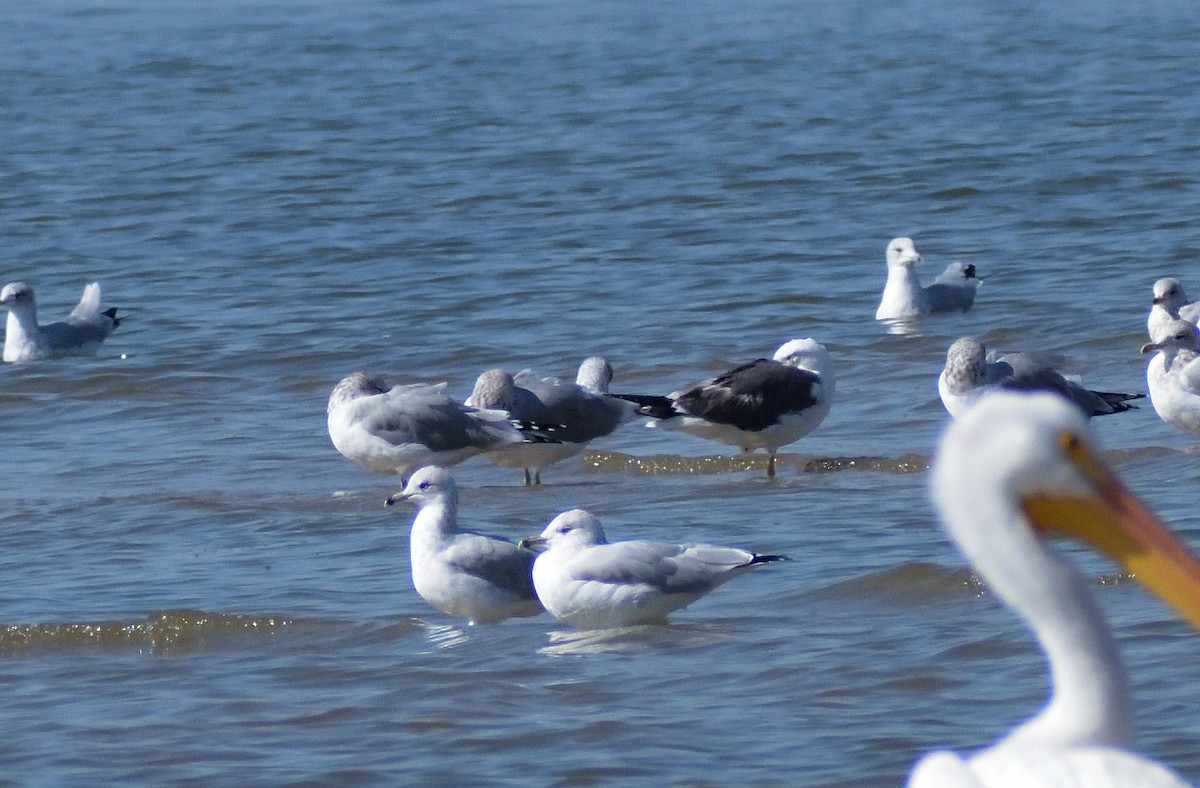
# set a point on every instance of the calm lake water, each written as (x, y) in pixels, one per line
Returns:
(199, 589)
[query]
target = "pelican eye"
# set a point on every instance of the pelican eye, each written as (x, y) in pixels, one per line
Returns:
(1070, 443)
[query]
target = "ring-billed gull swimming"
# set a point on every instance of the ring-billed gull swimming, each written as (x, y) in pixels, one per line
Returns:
(590, 583)
(580, 412)
(903, 295)
(1170, 303)
(1014, 471)
(1173, 375)
(397, 429)
(484, 579)
(79, 335)
(765, 404)
(968, 373)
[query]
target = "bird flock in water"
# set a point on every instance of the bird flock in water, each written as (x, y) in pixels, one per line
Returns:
(1016, 465)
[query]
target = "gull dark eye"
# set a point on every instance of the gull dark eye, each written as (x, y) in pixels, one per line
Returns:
(423, 486)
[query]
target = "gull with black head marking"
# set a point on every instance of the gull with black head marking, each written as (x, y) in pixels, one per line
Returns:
(399, 428)
(79, 335)
(482, 578)
(969, 373)
(765, 404)
(590, 583)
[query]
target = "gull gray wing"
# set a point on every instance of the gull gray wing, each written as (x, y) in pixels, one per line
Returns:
(669, 568)
(498, 561)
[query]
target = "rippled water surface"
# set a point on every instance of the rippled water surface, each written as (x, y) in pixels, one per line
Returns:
(198, 587)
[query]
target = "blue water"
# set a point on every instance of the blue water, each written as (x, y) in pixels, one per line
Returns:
(199, 588)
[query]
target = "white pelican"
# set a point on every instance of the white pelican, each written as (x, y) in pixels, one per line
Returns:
(1169, 303)
(1014, 469)
(79, 335)
(399, 429)
(484, 579)
(590, 583)
(764, 404)
(968, 373)
(903, 295)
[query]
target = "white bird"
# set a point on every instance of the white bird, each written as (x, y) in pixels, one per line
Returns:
(580, 412)
(903, 295)
(1173, 375)
(1170, 303)
(765, 404)
(79, 335)
(587, 582)
(484, 579)
(1013, 470)
(398, 429)
(968, 374)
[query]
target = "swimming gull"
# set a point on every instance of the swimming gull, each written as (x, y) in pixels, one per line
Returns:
(1014, 471)
(1170, 303)
(587, 582)
(397, 429)
(968, 373)
(79, 335)
(903, 295)
(484, 579)
(1173, 375)
(580, 412)
(765, 404)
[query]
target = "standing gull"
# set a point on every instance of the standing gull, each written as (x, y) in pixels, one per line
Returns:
(580, 412)
(903, 295)
(79, 335)
(589, 583)
(1170, 303)
(484, 579)
(1173, 375)
(765, 404)
(968, 374)
(397, 429)
(1016, 469)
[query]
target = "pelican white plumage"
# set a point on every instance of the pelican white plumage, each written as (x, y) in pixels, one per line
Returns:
(1015, 468)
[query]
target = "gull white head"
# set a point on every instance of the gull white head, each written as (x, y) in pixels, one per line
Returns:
(1168, 293)
(1177, 335)
(431, 485)
(595, 373)
(18, 297)
(574, 529)
(808, 354)
(902, 252)
(494, 388)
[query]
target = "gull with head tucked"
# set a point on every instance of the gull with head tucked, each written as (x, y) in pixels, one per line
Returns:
(580, 412)
(764, 404)
(903, 295)
(396, 429)
(969, 373)
(590, 583)
(1014, 470)
(79, 335)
